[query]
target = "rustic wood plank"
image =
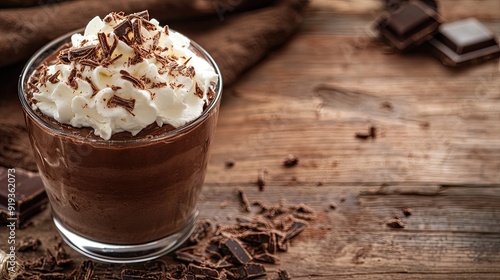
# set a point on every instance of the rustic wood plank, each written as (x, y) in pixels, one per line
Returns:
(449, 225)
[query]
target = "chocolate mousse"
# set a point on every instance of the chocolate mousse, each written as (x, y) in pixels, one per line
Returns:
(121, 119)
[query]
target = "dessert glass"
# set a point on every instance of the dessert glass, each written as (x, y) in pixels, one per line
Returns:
(121, 200)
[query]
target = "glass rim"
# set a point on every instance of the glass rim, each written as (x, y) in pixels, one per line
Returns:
(28, 70)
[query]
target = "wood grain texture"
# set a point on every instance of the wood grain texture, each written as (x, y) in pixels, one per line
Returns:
(437, 151)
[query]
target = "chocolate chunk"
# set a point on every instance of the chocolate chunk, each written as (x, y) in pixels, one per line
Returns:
(29, 244)
(235, 251)
(409, 26)
(291, 161)
(250, 271)
(30, 196)
(395, 223)
(203, 271)
(464, 41)
(262, 179)
(123, 29)
(244, 203)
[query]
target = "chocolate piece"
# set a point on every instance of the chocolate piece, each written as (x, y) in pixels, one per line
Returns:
(409, 26)
(136, 82)
(203, 271)
(244, 203)
(395, 223)
(30, 196)
(62, 258)
(464, 41)
(123, 29)
(29, 244)
(235, 251)
(362, 136)
(291, 161)
(250, 271)
(373, 132)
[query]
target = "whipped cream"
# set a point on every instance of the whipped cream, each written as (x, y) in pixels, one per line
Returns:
(123, 74)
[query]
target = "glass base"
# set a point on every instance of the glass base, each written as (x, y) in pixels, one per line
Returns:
(125, 253)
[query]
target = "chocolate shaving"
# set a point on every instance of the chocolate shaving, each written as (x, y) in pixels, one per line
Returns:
(136, 82)
(166, 30)
(136, 27)
(95, 90)
(80, 53)
(89, 62)
(142, 14)
(244, 203)
(114, 45)
(198, 91)
(203, 271)
(156, 40)
(53, 78)
(71, 79)
(29, 244)
(127, 104)
(262, 179)
(103, 41)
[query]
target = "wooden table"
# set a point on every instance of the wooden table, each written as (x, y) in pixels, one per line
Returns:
(437, 151)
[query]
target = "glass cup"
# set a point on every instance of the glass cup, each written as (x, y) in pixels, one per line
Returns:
(121, 200)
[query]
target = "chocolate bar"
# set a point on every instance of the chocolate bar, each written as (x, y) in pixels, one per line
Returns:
(21, 194)
(409, 26)
(464, 41)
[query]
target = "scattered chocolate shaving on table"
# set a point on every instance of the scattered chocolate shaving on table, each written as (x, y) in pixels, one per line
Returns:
(372, 133)
(395, 223)
(29, 243)
(244, 203)
(291, 161)
(262, 179)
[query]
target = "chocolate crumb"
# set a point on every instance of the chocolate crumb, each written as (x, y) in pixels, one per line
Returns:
(283, 275)
(262, 179)
(407, 212)
(291, 161)
(333, 206)
(229, 163)
(395, 223)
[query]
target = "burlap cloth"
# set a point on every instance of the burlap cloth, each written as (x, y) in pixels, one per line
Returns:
(237, 33)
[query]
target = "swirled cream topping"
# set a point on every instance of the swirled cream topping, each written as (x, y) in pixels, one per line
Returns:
(123, 74)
